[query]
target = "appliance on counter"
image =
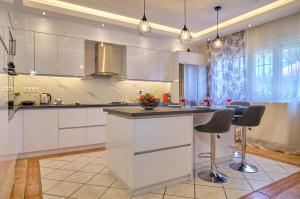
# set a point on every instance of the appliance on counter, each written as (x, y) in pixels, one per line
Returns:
(192, 83)
(105, 59)
(27, 103)
(167, 98)
(45, 98)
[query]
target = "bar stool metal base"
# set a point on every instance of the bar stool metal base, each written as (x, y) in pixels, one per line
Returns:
(212, 177)
(243, 167)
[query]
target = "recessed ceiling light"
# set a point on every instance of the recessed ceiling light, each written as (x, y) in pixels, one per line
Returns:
(103, 25)
(44, 13)
(249, 25)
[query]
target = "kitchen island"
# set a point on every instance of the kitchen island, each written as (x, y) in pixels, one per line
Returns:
(151, 149)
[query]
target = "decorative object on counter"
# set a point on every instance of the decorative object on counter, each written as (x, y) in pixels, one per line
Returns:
(228, 101)
(148, 101)
(207, 101)
(27, 103)
(188, 50)
(144, 26)
(217, 42)
(58, 101)
(45, 98)
(185, 35)
(77, 103)
(167, 97)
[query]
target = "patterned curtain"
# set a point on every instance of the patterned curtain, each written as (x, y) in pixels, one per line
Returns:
(226, 69)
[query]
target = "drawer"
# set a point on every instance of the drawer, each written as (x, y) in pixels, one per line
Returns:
(73, 117)
(72, 137)
(162, 166)
(96, 135)
(95, 116)
(162, 132)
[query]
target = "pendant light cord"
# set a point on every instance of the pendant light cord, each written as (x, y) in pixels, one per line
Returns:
(217, 23)
(185, 12)
(144, 7)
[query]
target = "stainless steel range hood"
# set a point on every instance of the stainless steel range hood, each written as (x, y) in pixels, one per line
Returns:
(110, 59)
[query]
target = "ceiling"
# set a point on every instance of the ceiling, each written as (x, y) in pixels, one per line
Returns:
(166, 16)
(200, 13)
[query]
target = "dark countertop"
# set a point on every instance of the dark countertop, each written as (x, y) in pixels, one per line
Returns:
(41, 106)
(159, 111)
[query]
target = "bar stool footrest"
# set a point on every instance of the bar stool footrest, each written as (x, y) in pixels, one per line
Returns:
(213, 177)
(243, 167)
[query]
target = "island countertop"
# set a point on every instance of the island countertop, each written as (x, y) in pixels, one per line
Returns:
(159, 111)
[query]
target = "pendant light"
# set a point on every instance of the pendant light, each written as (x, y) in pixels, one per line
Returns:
(185, 35)
(144, 26)
(217, 41)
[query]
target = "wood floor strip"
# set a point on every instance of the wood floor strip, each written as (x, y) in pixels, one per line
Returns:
(280, 186)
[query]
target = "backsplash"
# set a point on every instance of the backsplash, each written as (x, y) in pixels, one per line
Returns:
(89, 90)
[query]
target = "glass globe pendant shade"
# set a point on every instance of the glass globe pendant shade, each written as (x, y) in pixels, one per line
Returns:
(218, 42)
(144, 27)
(185, 35)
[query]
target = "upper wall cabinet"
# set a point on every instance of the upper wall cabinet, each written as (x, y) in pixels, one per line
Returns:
(151, 61)
(146, 64)
(135, 63)
(165, 66)
(70, 56)
(45, 54)
(24, 59)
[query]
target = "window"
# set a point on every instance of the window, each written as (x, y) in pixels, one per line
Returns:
(276, 76)
(228, 79)
(263, 74)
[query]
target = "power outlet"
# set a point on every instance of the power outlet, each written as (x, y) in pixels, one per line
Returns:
(31, 89)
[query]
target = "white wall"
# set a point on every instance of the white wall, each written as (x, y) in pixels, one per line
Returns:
(87, 91)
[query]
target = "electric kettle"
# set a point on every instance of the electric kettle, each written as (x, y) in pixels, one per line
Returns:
(45, 98)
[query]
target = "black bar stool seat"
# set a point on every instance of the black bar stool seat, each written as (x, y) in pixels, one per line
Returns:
(219, 123)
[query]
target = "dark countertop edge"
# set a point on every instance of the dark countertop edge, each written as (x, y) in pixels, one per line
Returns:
(158, 113)
(72, 106)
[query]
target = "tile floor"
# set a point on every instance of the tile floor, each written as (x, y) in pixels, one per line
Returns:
(85, 176)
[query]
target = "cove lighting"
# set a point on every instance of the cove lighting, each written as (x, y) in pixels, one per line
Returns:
(130, 20)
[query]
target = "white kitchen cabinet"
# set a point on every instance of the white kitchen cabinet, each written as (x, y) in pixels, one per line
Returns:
(151, 61)
(40, 130)
(164, 66)
(134, 63)
(95, 134)
(70, 56)
(95, 116)
(72, 117)
(45, 54)
(24, 59)
(90, 58)
(72, 137)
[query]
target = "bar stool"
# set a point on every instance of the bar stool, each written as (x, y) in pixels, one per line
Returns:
(251, 117)
(219, 123)
(237, 154)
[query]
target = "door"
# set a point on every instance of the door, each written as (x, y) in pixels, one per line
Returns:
(24, 59)
(45, 54)
(70, 56)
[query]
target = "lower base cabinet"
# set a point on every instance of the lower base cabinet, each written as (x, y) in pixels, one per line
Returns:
(95, 134)
(72, 137)
(40, 130)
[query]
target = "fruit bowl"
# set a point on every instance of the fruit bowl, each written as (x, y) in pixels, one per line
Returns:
(148, 101)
